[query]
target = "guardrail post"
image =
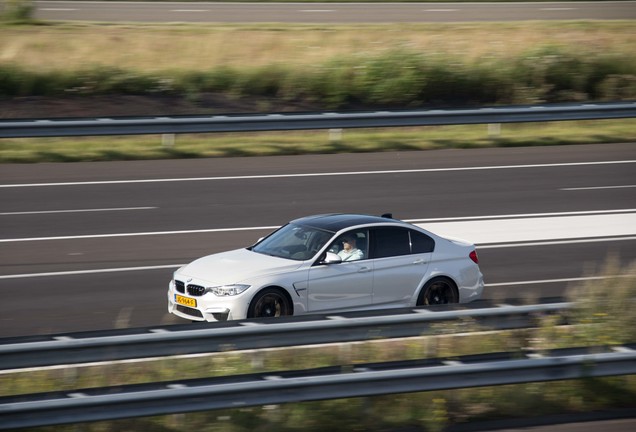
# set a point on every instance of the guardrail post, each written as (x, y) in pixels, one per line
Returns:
(335, 135)
(168, 140)
(494, 130)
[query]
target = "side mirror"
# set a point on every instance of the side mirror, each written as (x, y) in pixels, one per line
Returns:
(331, 258)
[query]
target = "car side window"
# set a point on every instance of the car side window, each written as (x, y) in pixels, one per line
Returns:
(390, 241)
(421, 243)
(352, 245)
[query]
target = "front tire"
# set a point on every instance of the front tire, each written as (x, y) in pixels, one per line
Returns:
(269, 303)
(438, 291)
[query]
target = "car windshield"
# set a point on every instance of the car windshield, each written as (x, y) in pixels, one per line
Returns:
(296, 242)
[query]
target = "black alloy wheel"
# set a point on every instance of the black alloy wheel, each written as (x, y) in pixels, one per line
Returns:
(438, 291)
(269, 303)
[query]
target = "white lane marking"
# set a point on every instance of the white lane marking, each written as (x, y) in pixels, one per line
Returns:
(537, 229)
(550, 281)
(92, 236)
(552, 243)
(77, 211)
(522, 215)
(88, 272)
(558, 9)
(478, 229)
(328, 174)
(598, 187)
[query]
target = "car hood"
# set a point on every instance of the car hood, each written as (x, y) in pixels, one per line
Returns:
(236, 266)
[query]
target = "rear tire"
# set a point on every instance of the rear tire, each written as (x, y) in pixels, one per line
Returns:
(438, 291)
(269, 303)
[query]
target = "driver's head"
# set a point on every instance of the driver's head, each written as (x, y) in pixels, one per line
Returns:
(349, 242)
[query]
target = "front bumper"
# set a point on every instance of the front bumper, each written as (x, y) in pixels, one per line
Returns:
(208, 307)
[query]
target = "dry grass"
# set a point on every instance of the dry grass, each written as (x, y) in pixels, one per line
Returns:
(200, 47)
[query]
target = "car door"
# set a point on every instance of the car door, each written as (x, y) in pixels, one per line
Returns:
(400, 261)
(342, 285)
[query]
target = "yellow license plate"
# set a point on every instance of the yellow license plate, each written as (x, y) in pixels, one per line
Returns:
(186, 301)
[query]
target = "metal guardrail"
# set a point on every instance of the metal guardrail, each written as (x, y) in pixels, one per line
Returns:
(304, 121)
(251, 334)
(315, 384)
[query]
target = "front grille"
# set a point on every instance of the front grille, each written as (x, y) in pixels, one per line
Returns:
(189, 311)
(179, 286)
(196, 290)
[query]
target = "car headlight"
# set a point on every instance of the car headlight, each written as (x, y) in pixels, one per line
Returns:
(227, 290)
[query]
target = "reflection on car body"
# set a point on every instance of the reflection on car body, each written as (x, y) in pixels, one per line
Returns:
(297, 269)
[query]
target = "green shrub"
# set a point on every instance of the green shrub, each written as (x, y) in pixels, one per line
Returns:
(18, 82)
(604, 308)
(221, 79)
(297, 85)
(392, 79)
(10, 79)
(616, 87)
(17, 11)
(331, 83)
(556, 74)
(606, 66)
(107, 80)
(263, 81)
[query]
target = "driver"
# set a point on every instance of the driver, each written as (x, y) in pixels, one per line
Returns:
(349, 251)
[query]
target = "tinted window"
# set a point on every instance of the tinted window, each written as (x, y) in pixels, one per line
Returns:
(421, 243)
(391, 242)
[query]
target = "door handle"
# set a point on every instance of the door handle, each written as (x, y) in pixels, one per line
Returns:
(364, 270)
(419, 261)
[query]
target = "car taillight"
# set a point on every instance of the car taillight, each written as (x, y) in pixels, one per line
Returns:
(473, 256)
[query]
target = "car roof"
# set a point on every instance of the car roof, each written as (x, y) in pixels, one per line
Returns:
(334, 222)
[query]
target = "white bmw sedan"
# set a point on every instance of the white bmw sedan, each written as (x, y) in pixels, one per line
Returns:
(325, 264)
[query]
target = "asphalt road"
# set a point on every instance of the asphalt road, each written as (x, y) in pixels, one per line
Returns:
(330, 12)
(88, 246)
